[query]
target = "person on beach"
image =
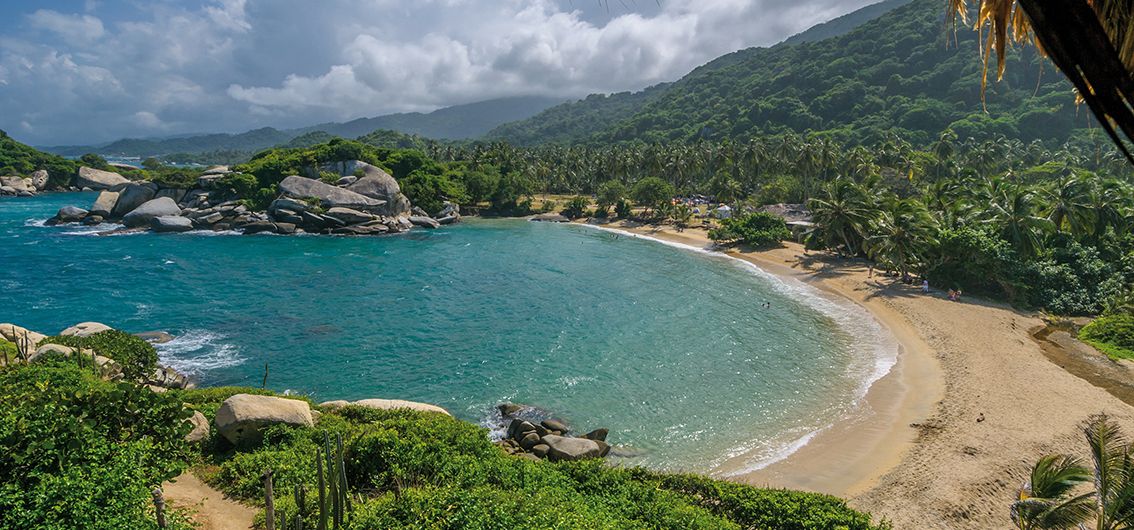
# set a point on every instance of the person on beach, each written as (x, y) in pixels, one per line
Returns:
(925, 286)
(952, 295)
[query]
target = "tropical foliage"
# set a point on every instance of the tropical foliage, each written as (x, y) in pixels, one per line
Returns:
(1111, 334)
(756, 229)
(136, 356)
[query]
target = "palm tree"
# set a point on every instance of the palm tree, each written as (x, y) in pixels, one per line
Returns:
(901, 235)
(1012, 214)
(1047, 501)
(841, 214)
(1068, 204)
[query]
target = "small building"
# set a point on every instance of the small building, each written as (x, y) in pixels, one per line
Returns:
(723, 212)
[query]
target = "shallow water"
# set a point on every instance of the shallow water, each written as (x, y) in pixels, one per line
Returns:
(672, 350)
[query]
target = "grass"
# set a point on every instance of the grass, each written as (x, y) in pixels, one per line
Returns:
(8, 351)
(1112, 335)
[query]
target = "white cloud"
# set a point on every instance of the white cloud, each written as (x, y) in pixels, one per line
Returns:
(230, 65)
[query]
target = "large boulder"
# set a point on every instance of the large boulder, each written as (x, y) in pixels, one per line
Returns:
(377, 184)
(18, 183)
(16, 334)
(97, 179)
(424, 222)
(142, 215)
(390, 404)
(349, 216)
(565, 448)
(242, 418)
(39, 179)
(69, 214)
(329, 196)
(200, 430)
(104, 204)
(132, 196)
(85, 329)
(171, 223)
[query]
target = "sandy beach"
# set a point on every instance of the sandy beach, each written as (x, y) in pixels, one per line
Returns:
(952, 431)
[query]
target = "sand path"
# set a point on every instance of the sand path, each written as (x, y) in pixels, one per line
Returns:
(211, 509)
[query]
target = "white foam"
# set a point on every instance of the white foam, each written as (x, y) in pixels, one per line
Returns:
(36, 222)
(196, 351)
(875, 350)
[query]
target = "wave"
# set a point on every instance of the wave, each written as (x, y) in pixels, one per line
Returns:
(196, 351)
(41, 223)
(874, 353)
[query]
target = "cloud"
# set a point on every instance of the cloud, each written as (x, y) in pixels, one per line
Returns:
(231, 65)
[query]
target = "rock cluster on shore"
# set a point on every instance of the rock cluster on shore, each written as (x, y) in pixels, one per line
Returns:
(29, 186)
(369, 204)
(549, 438)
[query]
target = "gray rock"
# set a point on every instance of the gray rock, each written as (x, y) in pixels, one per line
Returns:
(518, 428)
(217, 170)
(39, 179)
(509, 409)
(173, 193)
(418, 211)
(555, 425)
(287, 203)
(529, 440)
(171, 223)
(85, 329)
(285, 228)
(70, 214)
(346, 181)
(350, 216)
(242, 418)
(378, 184)
(563, 448)
(395, 404)
(142, 215)
(104, 204)
(450, 208)
(329, 196)
(448, 220)
(598, 435)
(287, 216)
(97, 179)
(212, 218)
(424, 222)
(540, 450)
(550, 218)
(132, 196)
(93, 220)
(8, 190)
(604, 448)
(200, 430)
(155, 337)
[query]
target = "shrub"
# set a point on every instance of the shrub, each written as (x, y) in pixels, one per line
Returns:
(576, 207)
(8, 351)
(136, 356)
(652, 192)
(757, 229)
(623, 209)
(1111, 334)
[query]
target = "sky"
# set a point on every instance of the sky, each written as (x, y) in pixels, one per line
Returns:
(90, 71)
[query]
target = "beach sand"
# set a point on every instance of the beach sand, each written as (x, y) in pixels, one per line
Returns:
(955, 427)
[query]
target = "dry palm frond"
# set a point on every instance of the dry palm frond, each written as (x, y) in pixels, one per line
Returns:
(1090, 41)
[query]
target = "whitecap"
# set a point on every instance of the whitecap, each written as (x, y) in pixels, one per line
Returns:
(36, 222)
(196, 351)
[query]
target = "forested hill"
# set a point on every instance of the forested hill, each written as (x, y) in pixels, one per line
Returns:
(846, 23)
(906, 72)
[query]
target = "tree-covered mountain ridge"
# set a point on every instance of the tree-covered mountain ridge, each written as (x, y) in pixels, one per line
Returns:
(908, 72)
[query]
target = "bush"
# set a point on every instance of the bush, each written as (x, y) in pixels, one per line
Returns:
(576, 207)
(136, 356)
(8, 351)
(652, 192)
(757, 229)
(623, 209)
(1111, 334)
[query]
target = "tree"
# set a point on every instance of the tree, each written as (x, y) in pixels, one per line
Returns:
(902, 235)
(1012, 213)
(841, 214)
(611, 193)
(652, 192)
(1046, 501)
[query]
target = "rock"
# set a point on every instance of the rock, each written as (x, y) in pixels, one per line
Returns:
(598, 435)
(555, 425)
(85, 329)
(70, 214)
(259, 227)
(285, 228)
(93, 220)
(519, 428)
(142, 215)
(18, 184)
(378, 184)
(529, 440)
(604, 448)
(448, 220)
(132, 196)
(287, 203)
(173, 193)
(449, 209)
(509, 409)
(424, 222)
(563, 448)
(389, 404)
(50, 350)
(200, 430)
(241, 418)
(8, 190)
(212, 218)
(155, 337)
(329, 196)
(418, 211)
(171, 223)
(105, 203)
(349, 216)
(540, 450)
(346, 181)
(97, 179)
(336, 404)
(39, 179)
(550, 218)
(16, 334)
(217, 170)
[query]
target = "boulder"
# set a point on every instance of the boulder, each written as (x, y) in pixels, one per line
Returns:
(377, 184)
(200, 430)
(142, 215)
(7, 190)
(93, 220)
(241, 418)
(424, 222)
(51, 350)
(96, 179)
(564, 448)
(449, 219)
(155, 337)
(105, 203)
(555, 425)
(329, 196)
(173, 193)
(336, 404)
(540, 450)
(346, 181)
(16, 334)
(132, 196)
(389, 404)
(529, 440)
(259, 227)
(598, 435)
(285, 228)
(39, 179)
(508, 409)
(70, 214)
(217, 170)
(85, 329)
(449, 209)
(518, 428)
(287, 203)
(18, 184)
(171, 223)
(550, 218)
(350, 216)
(418, 211)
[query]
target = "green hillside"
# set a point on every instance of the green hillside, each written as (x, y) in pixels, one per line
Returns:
(904, 72)
(846, 23)
(577, 119)
(19, 159)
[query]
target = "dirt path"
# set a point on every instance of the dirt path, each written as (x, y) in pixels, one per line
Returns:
(211, 509)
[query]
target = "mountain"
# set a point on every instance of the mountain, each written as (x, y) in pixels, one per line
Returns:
(846, 23)
(457, 122)
(905, 72)
(577, 119)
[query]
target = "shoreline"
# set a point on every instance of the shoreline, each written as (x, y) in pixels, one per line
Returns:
(850, 455)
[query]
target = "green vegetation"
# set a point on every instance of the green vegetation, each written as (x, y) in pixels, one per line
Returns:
(136, 356)
(1111, 334)
(576, 207)
(19, 159)
(83, 453)
(8, 351)
(755, 229)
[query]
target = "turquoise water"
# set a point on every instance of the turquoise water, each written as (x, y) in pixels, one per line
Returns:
(671, 349)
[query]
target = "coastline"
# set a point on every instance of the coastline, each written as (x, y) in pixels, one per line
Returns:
(973, 402)
(850, 455)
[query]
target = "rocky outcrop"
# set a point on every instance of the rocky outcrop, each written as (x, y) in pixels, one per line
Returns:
(16, 185)
(85, 329)
(200, 430)
(132, 196)
(565, 448)
(39, 179)
(19, 335)
(424, 222)
(350, 216)
(142, 215)
(68, 214)
(171, 223)
(96, 179)
(329, 196)
(548, 438)
(385, 404)
(242, 418)
(105, 203)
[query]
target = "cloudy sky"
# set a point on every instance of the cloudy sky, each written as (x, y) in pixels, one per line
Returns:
(86, 71)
